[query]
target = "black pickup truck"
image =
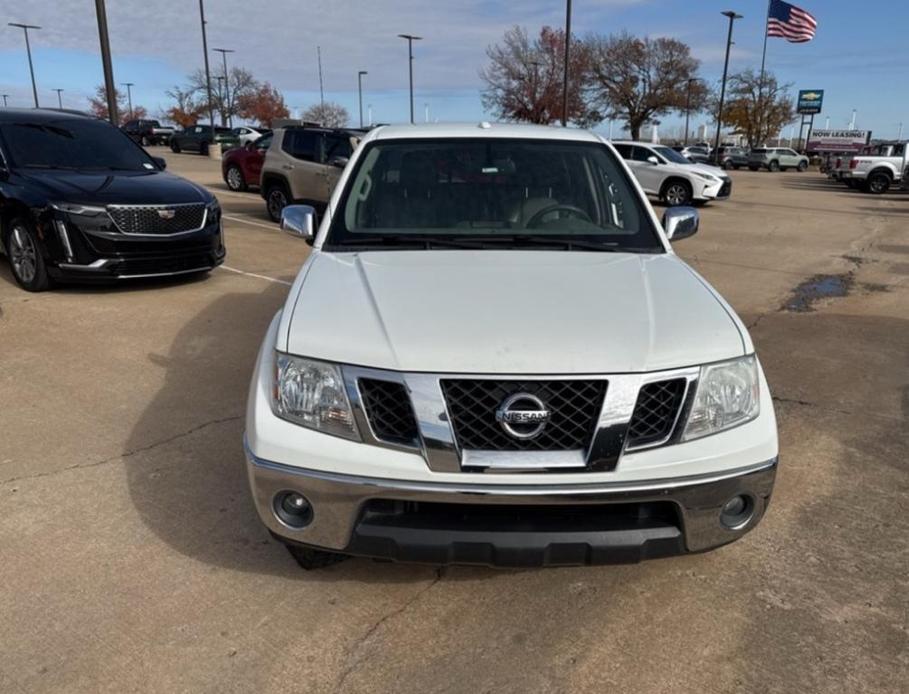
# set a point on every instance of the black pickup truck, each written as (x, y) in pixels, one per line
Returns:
(147, 132)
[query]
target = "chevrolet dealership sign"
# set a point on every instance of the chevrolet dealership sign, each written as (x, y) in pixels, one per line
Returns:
(810, 101)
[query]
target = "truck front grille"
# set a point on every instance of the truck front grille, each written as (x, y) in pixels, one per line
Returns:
(389, 411)
(155, 220)
(655, 412)
(574, 407)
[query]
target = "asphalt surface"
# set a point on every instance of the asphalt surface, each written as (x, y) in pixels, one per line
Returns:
(131, 557)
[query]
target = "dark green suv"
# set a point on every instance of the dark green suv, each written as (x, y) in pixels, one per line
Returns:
(197, 138)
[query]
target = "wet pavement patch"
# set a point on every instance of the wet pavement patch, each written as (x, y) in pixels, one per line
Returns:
(816, 288)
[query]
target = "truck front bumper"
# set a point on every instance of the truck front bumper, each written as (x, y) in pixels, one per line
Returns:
(512, 525)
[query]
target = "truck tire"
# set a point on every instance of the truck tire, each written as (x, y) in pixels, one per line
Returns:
(174, 146)
(203, 149)
(878, 182)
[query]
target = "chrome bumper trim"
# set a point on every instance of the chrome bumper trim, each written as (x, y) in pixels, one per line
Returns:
(337, 498)
(95, 266)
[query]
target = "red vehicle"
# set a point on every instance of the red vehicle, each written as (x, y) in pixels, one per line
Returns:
(242, 166)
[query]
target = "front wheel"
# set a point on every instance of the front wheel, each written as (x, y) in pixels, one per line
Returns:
(803, 166)
(234, 178)
(773, 166)
(175, 147)
(728, 165)
(677, 193)
(276, 200)
(25, 256)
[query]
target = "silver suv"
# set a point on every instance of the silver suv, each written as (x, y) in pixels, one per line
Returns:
(776, 159)
(303, 164)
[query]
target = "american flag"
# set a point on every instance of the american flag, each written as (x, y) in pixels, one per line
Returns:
(790, 22)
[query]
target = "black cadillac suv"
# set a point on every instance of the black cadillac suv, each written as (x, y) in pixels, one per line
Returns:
(81, 201)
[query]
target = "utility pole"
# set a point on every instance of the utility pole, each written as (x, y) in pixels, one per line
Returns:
(719, 116)
(225, 103)
(59, 99)
(28, 50)
(567, 53)
(410, 39)
(360, 92)
(109, 88)
(129, 96)
(211, 113)
(5, 97)
(852, 122)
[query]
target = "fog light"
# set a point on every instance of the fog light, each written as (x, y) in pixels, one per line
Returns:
(737, 511)
(293, 509)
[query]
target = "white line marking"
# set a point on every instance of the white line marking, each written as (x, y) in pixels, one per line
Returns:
(253, 274)
(270, 227)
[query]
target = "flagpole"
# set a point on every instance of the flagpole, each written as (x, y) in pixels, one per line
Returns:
(763, 63)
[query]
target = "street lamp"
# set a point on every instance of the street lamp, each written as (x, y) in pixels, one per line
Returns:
(59, 98)
(28, 50)
(688, 104)
(719, 116)
(565, 76)
(220, 79)
(410, 39)
(109, 88)
(129, 96)
(211, 113)
(360, 92)
(224, 52)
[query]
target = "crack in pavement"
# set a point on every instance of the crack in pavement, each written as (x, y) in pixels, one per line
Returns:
(352, 661)
(834, 410)
(126, 454)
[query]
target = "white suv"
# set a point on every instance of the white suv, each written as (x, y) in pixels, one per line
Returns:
(493, 356)
(674, 179)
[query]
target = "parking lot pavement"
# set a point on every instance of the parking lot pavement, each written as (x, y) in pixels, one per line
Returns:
(132, 558)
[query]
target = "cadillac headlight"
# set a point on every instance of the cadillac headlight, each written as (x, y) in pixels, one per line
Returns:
(727, 395)
(311, 393)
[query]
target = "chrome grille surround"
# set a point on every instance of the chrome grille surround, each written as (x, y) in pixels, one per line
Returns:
(439, 446)
(145, 220)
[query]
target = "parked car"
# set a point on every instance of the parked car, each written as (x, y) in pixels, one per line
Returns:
(492, 355)
(733, 157)
(675, 180)
(694, 154)
(303, 164)
(242, 167)
(81, 201)
(245, 134)
(197, 138)
(147, 131)
(776, 159)
(878, 171)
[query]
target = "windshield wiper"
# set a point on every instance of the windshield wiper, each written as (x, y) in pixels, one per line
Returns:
(568, 244)
(419, 240)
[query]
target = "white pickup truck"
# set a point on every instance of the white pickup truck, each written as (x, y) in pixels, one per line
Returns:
(492, 355)
(875, 173)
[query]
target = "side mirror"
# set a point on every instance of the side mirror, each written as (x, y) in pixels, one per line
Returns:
(680, 222)
(653, 160)
(299, 220)
(160, 162)
(340, 162)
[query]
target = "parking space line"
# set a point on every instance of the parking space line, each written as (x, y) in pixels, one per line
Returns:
(257, 276)
(270, 227)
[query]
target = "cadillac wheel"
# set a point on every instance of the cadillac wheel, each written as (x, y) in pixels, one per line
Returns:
(27, 264)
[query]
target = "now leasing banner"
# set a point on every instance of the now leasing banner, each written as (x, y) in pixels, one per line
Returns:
(838, 140)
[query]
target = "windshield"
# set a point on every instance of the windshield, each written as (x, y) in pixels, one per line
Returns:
(73, 143)
(671, 155)
(490, 193)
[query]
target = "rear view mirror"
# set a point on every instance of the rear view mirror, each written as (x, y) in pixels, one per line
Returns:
(299, 220)
(653, 160)
(160, 162)
(680, 223)
(340, 162)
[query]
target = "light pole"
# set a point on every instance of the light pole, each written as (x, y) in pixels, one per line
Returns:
(129, 96)
(688, 104)
(28, 50)
(410, 39)
(211, 113)
(5, 97)
(220, 79)
(224, 52)
(109, 88)
(360, 92)
(565, 75)
(59, 99)
(719, 116)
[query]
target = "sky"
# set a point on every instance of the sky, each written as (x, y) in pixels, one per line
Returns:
(860, 57)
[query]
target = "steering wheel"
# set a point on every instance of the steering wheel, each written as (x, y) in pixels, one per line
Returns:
(576, 211)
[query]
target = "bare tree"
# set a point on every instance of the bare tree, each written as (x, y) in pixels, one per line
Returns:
(187, 107)
(637, 80)
(757, 113)
(329, 114)
(524, 78)
(98, 105)
(226, 102)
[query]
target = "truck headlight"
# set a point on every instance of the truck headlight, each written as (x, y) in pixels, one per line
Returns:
(311, 393)
(728, 394)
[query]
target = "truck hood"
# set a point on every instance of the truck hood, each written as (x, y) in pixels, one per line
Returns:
(514, 312)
